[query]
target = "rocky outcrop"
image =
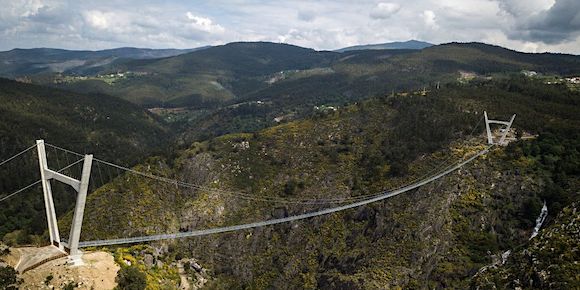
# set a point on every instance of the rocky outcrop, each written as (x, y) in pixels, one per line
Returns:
(548, 261)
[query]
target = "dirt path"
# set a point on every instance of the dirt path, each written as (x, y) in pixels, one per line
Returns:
(184, 284)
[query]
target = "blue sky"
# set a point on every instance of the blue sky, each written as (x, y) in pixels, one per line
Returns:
(525, 25)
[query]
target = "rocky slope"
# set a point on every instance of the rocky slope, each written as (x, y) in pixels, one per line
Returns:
(549, 261)
(438, 236)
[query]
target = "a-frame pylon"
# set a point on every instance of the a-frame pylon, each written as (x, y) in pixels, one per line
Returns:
(507, 124)
(80, 186)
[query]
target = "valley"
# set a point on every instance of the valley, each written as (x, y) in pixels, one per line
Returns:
(256, 131)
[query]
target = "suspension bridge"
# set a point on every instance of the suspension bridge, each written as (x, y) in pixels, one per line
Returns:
(80, 184)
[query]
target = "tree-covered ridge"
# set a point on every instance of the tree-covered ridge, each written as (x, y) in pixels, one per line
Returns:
(206, 77)
(20, 62)
(262, 70)
(354, 76)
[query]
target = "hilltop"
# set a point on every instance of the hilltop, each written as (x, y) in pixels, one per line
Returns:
(21, 62)
(410, 44)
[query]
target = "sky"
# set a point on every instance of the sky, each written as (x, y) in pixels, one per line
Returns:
(524, 25)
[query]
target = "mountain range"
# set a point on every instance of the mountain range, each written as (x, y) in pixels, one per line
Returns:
(18, 62)
(237, 72)
(267, 130)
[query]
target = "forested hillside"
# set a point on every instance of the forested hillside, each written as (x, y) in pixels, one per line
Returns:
(278, 72)
(23, 62)
(262, 130)
(99, 124)
(440, 235)
(249, 86)
(206, 77)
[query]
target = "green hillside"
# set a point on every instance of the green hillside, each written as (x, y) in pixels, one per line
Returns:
(244, 87)
(209, 76)
(106, 126)
(266, 128)
(359, 75)
(22, 62)
(438, 236)
(242, 71)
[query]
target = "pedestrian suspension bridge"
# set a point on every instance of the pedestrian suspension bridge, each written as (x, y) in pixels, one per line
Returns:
(88, 163)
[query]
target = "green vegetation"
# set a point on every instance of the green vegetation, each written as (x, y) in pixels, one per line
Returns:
(283, 73)
(131, 278)
(550, 260)
(70, 285)
(136, 273)
(224, 82)
(8, 278)
(206, 77)
(22, 62)
(440, 235)
(358, 75)
(108, 127)
(48, 279)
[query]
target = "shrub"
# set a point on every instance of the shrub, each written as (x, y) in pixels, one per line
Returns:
(8, 278)
(48, 279)
(70, 286)
(131, 278)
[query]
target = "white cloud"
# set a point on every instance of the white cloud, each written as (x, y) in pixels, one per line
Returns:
(204, 24)
(98, 19)
(429, 19)
(326, 39)
(320, 24)
(31, 7)
(306, 15)
(385, 10)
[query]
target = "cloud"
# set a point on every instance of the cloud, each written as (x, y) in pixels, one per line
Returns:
(531, 25)
(429, 19)
(204, 24)
(554, 24)
(385, 10)
(31, 7)
(519, 8)
(317, 37)
(98, 19)
(307, 16)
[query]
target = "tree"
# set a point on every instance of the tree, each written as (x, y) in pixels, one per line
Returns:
(8, 278)
(131, 278)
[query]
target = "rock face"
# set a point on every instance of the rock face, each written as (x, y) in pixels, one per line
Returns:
(550, 261)
(148, 260)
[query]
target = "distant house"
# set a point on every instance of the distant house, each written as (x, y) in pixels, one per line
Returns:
(529, 73)
(325, 108)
